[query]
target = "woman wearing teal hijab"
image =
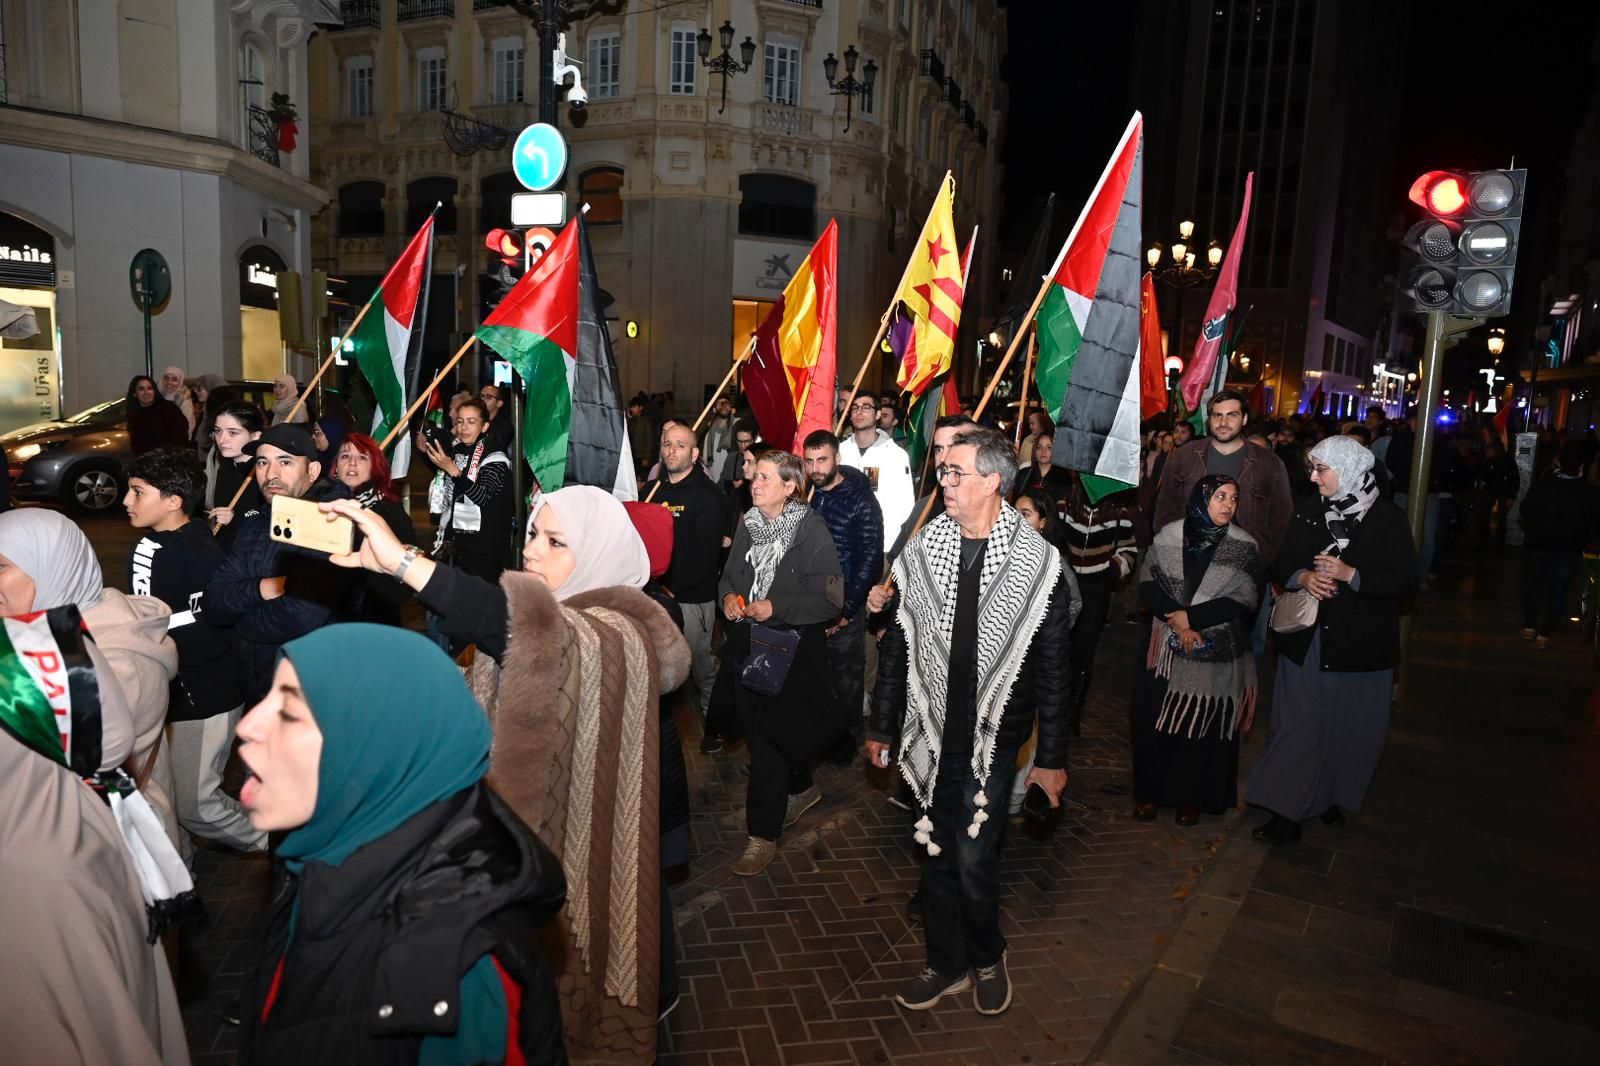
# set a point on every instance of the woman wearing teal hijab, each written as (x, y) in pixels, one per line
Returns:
(405, 916)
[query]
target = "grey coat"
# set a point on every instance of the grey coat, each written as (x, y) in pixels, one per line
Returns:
(809, 584)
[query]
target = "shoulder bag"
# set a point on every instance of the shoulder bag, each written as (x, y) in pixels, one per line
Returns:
(772, 653)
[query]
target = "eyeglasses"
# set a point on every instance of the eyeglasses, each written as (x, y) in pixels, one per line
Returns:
(951, 475)
(864, 406)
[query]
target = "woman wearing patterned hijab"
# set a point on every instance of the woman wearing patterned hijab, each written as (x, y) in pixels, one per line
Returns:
(1330, 703)
(1196, 694)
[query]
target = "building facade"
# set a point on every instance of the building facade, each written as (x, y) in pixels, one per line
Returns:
(1231, 87)
(128, 125)
(703, 193)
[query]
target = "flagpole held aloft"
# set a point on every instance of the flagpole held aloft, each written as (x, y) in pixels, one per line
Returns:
(734, 369)
(1027, 369)
(422, 395)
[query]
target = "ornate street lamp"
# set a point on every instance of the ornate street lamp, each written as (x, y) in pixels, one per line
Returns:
(1497, 342)
(724, 63)
(849, 88)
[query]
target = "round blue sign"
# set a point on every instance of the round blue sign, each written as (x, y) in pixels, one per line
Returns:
(539, 157)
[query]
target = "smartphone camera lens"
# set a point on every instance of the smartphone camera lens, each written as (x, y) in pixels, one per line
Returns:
(277, 531)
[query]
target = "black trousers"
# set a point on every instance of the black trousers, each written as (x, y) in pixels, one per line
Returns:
(847, 667)
(784, 733)
(961, 885)
(1096, 590)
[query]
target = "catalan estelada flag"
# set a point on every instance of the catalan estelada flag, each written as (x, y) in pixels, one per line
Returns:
(790, 376)
(929, 299)
(938, 396)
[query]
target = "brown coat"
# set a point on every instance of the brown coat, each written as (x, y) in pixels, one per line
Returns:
(576, 755)
(1265, 502)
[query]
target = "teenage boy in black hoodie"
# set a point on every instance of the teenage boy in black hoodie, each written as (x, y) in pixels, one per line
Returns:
(173, 562)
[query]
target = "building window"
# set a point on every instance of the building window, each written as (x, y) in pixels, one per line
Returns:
(508, 70)
(422, 195)
(358, 87)
(605, 65)
(430, 79)
(684, 59)
(774, 206)
(361, 209)
(601, 189)
(255, 77)
(781, 80)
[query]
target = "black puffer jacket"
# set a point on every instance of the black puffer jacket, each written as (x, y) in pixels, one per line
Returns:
(314, 591)
(1041, 686)
(856, 522)
(380, 942)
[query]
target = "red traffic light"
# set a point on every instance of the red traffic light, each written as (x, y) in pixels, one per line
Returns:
(1440, 192)
(507, 244)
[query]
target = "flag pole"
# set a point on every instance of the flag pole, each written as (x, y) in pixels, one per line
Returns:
(1027, 371)
(422, 396)
(734, 369)
(883, 323)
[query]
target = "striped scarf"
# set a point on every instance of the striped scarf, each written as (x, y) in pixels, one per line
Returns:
(769, 540)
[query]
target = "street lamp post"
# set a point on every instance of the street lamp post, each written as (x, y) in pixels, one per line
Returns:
(1182, 272)
(849, 88)
(724, 63)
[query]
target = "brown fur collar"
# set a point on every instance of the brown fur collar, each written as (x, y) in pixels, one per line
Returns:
(533, 610)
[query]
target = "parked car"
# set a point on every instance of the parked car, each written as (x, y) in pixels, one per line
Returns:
(79, 461)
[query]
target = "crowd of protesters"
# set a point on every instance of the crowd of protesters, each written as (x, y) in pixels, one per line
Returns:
(512, 784)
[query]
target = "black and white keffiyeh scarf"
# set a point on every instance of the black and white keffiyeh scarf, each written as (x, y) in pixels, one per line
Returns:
(1351, 460)
(1205, 684)
(769, 539)
(1019, 573)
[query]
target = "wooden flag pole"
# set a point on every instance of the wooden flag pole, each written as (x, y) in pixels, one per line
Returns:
(422, 397)
(326, 363)
(883, 323)
(734, 369)
(1027, 371)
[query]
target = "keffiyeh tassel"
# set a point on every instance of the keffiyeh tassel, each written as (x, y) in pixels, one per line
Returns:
(164, 881)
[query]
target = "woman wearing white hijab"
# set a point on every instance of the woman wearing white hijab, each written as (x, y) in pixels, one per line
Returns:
(583, 657)
(81, 982)
(173, 389)
(1330, 701)
(285, 395)
(50, 553)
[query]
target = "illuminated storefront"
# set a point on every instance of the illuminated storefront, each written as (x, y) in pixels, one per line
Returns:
(30, 367)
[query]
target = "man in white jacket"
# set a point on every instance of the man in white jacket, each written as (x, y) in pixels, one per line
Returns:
(874, 453)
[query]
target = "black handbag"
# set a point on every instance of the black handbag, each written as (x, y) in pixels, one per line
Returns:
(772, 653)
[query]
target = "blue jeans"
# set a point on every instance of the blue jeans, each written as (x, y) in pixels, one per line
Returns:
(961, 885)
(1549, 579)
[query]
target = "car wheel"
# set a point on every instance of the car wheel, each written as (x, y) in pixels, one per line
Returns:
(91, 489)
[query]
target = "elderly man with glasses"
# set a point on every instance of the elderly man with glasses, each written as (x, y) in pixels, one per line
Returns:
(984, 608)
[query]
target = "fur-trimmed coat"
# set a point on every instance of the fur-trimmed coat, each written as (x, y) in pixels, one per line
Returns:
(574, 704)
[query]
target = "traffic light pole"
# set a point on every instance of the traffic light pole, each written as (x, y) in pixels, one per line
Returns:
(1443, 330)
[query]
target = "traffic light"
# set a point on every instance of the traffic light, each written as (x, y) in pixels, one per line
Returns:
(507, 246)
(1468, 243)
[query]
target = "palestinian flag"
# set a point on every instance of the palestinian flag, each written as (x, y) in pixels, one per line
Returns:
(1088, 329)
(597, 442)
(52, 702)
(388, 340)
(789, 378)
(535, 329)
(1209, 349)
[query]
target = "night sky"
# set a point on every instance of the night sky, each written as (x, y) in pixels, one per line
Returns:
(1068, 67)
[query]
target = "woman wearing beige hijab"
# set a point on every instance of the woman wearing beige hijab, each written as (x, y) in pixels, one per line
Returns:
(81, 982)
(285, 396)
(50, 553)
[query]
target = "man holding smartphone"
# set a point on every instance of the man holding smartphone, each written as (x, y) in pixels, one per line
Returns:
(984, 608)
(270, 592)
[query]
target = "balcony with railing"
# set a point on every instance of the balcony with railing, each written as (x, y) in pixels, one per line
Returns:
(261, 139)
(361, 14)
(804, 3)
(426, 9)
(953, 92)
(780, 118)
(933, 66)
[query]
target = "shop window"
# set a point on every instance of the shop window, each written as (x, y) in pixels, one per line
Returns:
(601, 189)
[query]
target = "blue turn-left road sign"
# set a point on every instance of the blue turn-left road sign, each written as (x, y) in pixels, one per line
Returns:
(539, 157)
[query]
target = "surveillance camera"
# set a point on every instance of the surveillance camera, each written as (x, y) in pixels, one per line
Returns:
(577, 99)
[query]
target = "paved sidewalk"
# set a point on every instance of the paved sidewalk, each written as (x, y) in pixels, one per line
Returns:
(1349, 947)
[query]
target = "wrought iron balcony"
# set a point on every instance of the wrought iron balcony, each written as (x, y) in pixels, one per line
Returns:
(359, 14)
(489, 5)
(933, 66)
(262, 136)
(426, 9)
(806, 3)
(953, 92)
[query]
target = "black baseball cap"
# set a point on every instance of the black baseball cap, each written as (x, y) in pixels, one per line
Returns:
(287, 436)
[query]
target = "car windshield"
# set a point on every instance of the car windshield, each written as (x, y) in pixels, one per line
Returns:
(104, 414)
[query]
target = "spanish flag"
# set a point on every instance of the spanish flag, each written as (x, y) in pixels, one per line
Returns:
(929, 299)
(790, 376)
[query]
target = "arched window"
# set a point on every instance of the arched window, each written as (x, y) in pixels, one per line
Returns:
(776, 206)
(494, 199)
(601, 189)
(422, 194)
(361, 209)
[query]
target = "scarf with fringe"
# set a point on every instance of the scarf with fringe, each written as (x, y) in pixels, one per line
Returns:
(1205, 685)
(769, 540)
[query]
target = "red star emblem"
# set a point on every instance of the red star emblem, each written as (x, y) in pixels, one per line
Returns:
(936, 251)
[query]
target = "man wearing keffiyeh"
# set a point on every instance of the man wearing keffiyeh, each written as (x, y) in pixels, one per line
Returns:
(978, 651)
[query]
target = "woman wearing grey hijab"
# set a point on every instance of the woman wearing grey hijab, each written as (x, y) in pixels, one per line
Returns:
(1330, 702)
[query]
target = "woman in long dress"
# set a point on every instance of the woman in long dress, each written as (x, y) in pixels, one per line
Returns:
(1197, 692)
(1330, 703)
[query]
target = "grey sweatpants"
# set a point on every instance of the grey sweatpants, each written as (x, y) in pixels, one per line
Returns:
(200, 751)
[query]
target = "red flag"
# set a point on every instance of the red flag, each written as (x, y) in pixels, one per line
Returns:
(1152, 361)
(1502, 421)
(789, 379)
(1314, 404)
(1258, 400)
(1214, 329)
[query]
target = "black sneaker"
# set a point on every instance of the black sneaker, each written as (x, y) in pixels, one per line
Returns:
(994, 988)
(928, 988)
(914, 908)
(710, 743)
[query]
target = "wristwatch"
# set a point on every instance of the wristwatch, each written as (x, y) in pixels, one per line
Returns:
(399, 572)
